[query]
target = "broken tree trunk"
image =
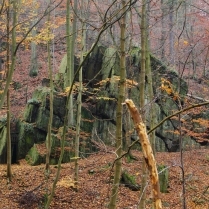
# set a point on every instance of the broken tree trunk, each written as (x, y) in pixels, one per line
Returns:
(147, 152)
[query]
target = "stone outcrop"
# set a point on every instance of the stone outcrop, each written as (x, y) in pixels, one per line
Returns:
(99, 100)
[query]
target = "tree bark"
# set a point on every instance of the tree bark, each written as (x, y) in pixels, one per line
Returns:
(171, 33)
(9, 172)
(9, 153)
(10, 70)
(79, 101)
(142, 97)
(71, 36)
(51, 103)
(163, 32)
(119, 113)
(69, 73)
(34, 61)
(147, 152)
(152, 110)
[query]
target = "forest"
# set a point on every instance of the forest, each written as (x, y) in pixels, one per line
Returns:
(104, 104)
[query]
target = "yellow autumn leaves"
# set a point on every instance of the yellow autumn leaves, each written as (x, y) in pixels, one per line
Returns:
(167, 87)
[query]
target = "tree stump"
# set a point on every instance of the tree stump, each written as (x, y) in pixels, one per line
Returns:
(163, 178)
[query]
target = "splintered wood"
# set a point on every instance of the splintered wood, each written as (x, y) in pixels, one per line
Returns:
(147, 152)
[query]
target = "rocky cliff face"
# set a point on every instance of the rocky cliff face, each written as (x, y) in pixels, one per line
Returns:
(101, 74)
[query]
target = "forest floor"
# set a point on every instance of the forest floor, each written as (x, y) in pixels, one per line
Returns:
(29, 186)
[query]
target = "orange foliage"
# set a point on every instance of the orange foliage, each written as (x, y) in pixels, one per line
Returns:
(167, 87)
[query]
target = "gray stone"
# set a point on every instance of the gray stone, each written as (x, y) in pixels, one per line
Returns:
(99, 101)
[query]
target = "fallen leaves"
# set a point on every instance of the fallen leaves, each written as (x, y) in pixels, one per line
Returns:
(29, 186)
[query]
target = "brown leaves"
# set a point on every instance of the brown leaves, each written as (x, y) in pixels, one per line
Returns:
(94, 189)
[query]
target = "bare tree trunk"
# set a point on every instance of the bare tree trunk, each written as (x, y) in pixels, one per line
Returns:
(152, 112)
(10, 70)
(163, 32)
(142, 98)
(69, 72)
(34, 63)
(9, 171)
(79, 101)
(9, 154)
(71, 36)
(51, 102)
(147, 152)
(205, 62)
(171, 33)
(119, 113)
(182, 164)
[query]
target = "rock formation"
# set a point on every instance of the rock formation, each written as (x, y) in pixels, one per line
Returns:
(100, 73)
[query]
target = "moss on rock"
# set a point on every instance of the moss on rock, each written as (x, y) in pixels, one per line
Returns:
(34, 157)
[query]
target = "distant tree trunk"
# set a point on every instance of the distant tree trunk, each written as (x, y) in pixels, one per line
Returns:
(71, 36)
(163, 33)
(9, 147)
(143, 56)
(194, 64)
(34, 62)
(205, 63)
(69, 72)
(119, 112)
(171, 33)
(79, 102)
(152, 112)
(147, 152)
(129, 25)
(9, 154)
(184, 205)
(142, 98)
(191, 23)
(48, 141)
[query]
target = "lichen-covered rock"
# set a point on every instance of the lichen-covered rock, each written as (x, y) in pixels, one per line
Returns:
(34, 157)
(37, 154)
(26, 138)
(104, 65)
(99, 102)
(30, 113)
(93, 64)
(33, 129)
